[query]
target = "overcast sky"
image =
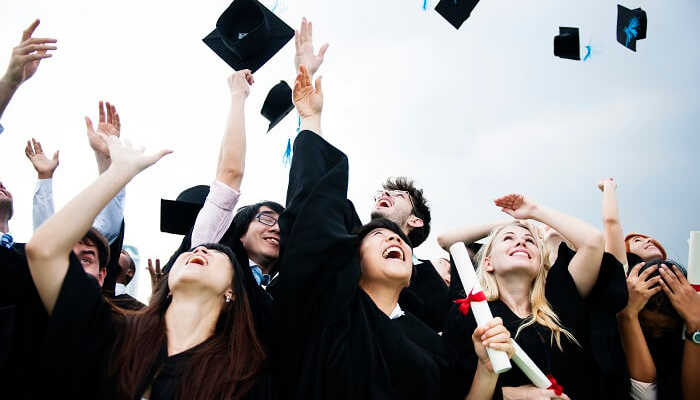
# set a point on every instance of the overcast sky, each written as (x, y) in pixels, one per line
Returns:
(471, 114)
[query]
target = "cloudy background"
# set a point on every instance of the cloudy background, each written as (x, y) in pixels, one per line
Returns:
(471, 114)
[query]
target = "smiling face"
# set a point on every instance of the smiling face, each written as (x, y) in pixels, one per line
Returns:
(644, 247)
(393, 205)
(514, 249)
(262, 239)
(6, 209)
(203, 269)
(385, 259)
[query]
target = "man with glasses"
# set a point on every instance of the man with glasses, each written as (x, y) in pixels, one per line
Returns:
(427, 297)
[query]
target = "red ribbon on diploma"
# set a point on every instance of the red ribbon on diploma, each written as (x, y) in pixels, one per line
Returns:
(555, 386)
(696, 287)
(465, 303)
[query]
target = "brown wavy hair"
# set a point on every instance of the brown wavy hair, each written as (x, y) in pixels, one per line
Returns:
(225, 366)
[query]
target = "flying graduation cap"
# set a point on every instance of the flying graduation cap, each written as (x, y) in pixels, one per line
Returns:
(278, 104)
(247, 35)
(178, 216)
(566, 44)
(456, 11)
(631, 26)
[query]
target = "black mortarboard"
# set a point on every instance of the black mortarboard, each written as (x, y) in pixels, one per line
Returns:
(247, 35)
(456, 11)
(178, 216)
(566, 44)
(631, 26)
(278, 104)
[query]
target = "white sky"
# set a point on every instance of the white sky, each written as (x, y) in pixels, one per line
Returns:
(471, 114)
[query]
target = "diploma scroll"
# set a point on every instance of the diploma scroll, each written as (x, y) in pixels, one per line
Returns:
(529, 368)
(694, 259)
(480, 309)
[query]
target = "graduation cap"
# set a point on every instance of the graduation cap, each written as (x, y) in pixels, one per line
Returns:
(456, 11)
(631, 26)
(178, 216)
(278, 104)
(247, 35)
(566, 44)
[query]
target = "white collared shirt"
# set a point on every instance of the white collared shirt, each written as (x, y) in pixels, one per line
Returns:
(119, 289)
(397, 312)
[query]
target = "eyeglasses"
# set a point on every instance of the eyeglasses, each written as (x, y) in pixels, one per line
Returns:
(266, 219)
(395, 194)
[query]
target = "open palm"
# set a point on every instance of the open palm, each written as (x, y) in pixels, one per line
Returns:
(303, 39)
(516, 205)
(44, 166)
(108, 125)
(307, 99)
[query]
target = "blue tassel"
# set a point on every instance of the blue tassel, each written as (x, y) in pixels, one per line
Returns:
(274, 7)
(299, 124)
(425, 5)
(588, 53)
(631, 30)
(287, 158)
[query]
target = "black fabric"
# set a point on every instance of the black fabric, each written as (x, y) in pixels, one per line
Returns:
(23, 320)
(567, 366)
(127, 302)
(667, 353)
(113, 269)
(456, 12)
(427, 296)
(335, 342)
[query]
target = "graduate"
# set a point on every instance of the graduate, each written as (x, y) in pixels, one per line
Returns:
(542, 306)
(196, 340)
(343, 333)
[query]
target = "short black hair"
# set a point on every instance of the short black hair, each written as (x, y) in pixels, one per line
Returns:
(659, 302)
(420, 206)
(245, 215)
(381, 223)
(132, 265)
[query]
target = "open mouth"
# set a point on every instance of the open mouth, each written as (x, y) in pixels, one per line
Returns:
(199, 260)
(384, 202)
(520, 253)
(272, 240)
(394, 252)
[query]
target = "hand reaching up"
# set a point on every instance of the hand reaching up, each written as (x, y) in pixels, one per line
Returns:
(608, 184)
(45, 167)
(27, 56)
(303, 39)
(517, 206)
(155, 273)
(307, 99)
(128, 159)
(108, 125)
(240, 82)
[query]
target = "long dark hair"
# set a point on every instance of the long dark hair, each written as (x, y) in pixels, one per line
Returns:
(225, 366)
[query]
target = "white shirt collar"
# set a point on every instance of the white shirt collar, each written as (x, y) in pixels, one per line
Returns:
(119, 289)
(397, 312)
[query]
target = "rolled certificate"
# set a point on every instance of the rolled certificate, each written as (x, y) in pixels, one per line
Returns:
(694, 259)
(480, 309)
(529, 368)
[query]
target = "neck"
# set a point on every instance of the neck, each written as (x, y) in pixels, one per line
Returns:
(514, 292)
(264, 263)
(4, 223)
(190, 320)
(385, 297)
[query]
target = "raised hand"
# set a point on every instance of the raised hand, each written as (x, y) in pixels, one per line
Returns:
(128, 159)
(27, 56)
(303, 39)
(240, 82)
(516, 205)
(640, 289)
(492, 335)
(682, 295)
(307, 99)
(607, 184)
(155, 273)
(44, 167)
(109, 124)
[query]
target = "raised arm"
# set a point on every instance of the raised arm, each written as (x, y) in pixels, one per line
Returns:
(49, 248)
(585, 265)
(467, 234)
(24, 63)
(612, 230)
(43, 195)
(303, 39)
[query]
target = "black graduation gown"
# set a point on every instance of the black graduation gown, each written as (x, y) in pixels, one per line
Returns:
(427, 297)
(127, 302)
(334, 342)
(567, 366)
(82, 332)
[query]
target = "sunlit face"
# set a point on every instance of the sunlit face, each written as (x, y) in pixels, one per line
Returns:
(514, 249)
(203, 269)
(87, 253)
(5, 200)
(385, 258)
(262, 240)
(394, 205)
(644, 248)
(443, 268)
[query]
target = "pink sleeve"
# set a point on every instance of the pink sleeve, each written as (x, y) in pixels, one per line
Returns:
(216, 215)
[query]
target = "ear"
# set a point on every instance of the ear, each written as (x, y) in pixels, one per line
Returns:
(414, 222)
(130, 273)
(229, 293)
(101, 276)
(488, 267)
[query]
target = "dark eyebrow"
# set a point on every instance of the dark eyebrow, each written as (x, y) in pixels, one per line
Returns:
(88, 252)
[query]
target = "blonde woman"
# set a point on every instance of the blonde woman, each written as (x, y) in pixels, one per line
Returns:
(542, 306)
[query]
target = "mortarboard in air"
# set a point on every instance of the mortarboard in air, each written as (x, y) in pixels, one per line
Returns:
(247, 35)
(566, 44)
(278, 104)
(178, 216)
(631, 26)
(456, 11)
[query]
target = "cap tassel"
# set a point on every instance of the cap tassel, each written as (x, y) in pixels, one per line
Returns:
(631, 30)
(287, 157)
(588, 52)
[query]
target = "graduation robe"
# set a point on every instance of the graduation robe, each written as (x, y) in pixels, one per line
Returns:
(334, 343)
